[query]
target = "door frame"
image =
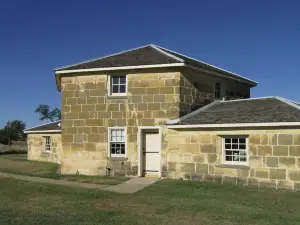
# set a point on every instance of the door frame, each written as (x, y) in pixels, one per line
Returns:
(141, 130)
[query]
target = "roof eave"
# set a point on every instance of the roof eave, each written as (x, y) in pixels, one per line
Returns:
(235, 125)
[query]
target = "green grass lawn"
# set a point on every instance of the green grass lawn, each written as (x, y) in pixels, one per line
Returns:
(18, 164)
(166, 202)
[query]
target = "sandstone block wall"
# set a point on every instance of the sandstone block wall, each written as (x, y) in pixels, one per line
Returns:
(36, 148)
(274, 157)
(88, 111)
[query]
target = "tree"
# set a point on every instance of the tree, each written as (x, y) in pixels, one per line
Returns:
(13, 131)
(47, 114)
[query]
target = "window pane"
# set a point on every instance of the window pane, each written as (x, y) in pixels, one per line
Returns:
(118, 133)
(242, 147)
(236, 156)
(122, 79)
(122, 148)
(228, 152)
(227, 140)
(242, 140)
(243, 156)
(115, 80)
(235, 140)
(115, 89)
(227, 146)
(122, 88)
(228, 158)
(235, 146)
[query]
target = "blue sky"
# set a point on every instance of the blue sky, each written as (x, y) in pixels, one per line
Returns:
(257, 39)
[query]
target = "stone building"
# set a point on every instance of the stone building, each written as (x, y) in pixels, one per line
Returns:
(154, 112)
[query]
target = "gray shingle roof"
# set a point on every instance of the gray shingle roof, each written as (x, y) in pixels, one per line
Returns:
(142, 56)
(54, 126)
(150, 55)
(263, 110)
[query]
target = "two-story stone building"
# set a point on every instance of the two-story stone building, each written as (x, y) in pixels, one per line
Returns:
(154, 112)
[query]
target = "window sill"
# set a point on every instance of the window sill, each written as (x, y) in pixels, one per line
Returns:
(117, 97)
(116, 158)
(233, 166)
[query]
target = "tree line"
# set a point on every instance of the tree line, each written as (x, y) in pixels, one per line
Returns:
(14, 130)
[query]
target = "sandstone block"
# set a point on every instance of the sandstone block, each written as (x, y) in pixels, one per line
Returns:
(208, 148)
(294, 150)
(148, 98)
(211, 158)
(201, 168)
(267, 184)
(172, 166)
(288, 162)
(280, 150)
(264, 139)
(89, 146)
(285, 139)
(274, 139)
(159, 98)
(67, 138)
(198, 158)
(296, 139)
(79, 123)
(187, 167)
(88, 108)
(264, 150)
(189, 148)
(166, 90)
(243, 172)
(262, 173)
(153, 106)
(226, 171)
(253, 149)
(94, 122)
(255, 139)
(288, 185)
(255, 161)
(91, 100)
(294, 175)
(229, 180)
(278, 174)
(205, 139)
(77, 147)
(271, 161)
(252, 182)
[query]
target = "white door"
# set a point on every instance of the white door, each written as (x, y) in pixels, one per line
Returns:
(151, 153)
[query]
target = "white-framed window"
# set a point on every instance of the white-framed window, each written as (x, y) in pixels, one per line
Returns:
(117, 141)
(118, 85)
(217, 90)
(47, 143)
(235, 150)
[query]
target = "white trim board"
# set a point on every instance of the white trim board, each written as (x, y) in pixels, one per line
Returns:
(120, 68)
(227, 125)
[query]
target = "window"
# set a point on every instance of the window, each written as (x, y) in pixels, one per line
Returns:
(218, 90)
(117, 142)
(118, 85)
(235, 150)
(47, 144)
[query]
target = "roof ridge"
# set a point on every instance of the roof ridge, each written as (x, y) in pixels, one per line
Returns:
(42, 125)
(289, 102)
(207, 64)
(166, 53)
(247, 99)
(174, 121)
(103, 57)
